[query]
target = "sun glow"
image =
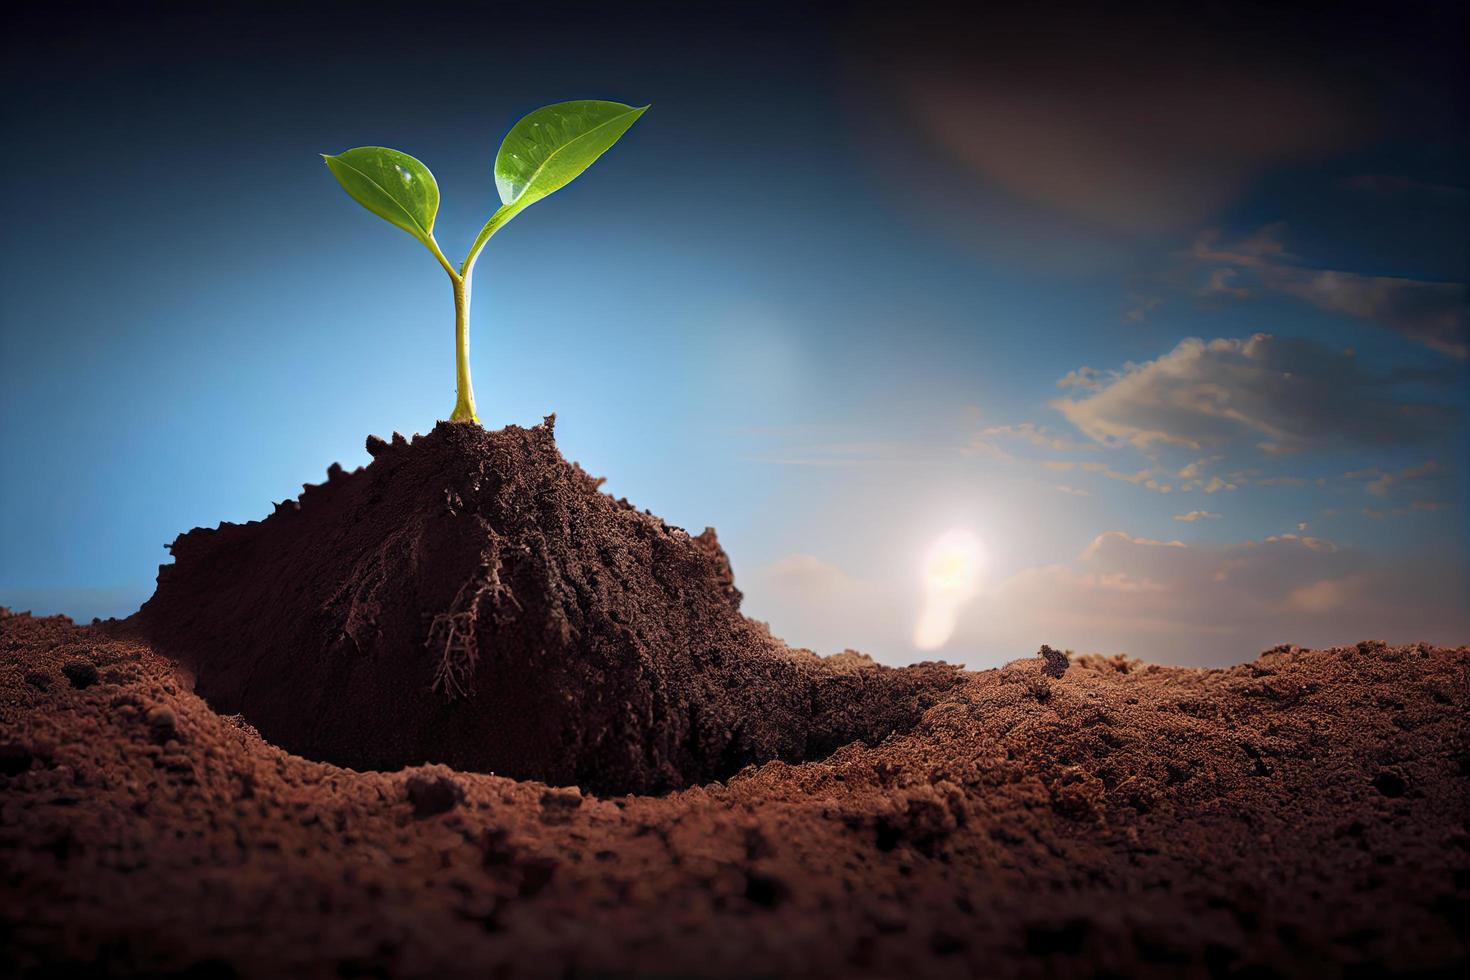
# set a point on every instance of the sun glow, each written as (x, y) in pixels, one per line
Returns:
(951, 577)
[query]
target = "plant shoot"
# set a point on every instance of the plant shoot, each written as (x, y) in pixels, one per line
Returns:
(543, 152)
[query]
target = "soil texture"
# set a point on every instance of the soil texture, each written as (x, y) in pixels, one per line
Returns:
(1301, 815)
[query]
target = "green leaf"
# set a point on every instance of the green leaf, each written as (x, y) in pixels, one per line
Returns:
(392, 185)
(551, 146)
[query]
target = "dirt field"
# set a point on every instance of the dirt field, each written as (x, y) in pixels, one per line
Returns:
(1302, 814)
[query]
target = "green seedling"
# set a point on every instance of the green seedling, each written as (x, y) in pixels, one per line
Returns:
(543, 152)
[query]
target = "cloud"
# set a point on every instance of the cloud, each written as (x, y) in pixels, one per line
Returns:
(1259, 250)
(1164, 601)
(1325, 596)
(1146, 478)
(1281, 395)
(1312, 544)
(985, 446)
(819, 606)
(1434, 314)
(1195, 469)
(1109, 539)
(1129, 134)
(1192, 475)
(1431, 313)
(1427, 478)
(1037, 435)
(1140, 307)
(1222, 283)
(1086, 378)
(1052, 133)
(813, 575)
(1196, 515)
(1213, 485)
(1219, 603)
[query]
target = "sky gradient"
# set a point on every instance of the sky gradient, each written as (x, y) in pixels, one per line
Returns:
(1166, 311)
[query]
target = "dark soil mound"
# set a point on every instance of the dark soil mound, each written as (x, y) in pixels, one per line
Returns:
(472, 598)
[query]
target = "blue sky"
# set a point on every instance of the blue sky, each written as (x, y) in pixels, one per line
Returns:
(821, 297)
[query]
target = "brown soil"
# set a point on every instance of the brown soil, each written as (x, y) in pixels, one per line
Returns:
(1304, 814)
(472, 599)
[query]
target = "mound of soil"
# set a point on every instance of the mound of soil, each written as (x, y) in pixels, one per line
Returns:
(1301, 815)
(471, 598)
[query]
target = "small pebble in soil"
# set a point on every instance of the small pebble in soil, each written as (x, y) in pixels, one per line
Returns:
(161, 723)
(568, 797)
(559, 805)
(39, 679)
(433, 795)
(1056, 662)
(81, 673)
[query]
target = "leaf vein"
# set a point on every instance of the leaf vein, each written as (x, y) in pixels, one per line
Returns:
(542, 166)
(384, 191)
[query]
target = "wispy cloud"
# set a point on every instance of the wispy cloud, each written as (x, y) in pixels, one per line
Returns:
(1037, 435)
(1281, 395)
(1431, 313)
(1141, 307)
(1427, 478)
(1257, 251)
(1197, 515)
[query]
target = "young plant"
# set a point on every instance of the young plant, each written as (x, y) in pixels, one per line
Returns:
(543, 152)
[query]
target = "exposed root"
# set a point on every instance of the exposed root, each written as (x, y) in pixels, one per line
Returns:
(453, 633)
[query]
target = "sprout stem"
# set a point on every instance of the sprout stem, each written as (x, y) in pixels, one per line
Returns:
(464, 402)
(464, 394)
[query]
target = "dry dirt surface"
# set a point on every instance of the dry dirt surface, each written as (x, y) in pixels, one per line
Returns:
(1304, 814)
